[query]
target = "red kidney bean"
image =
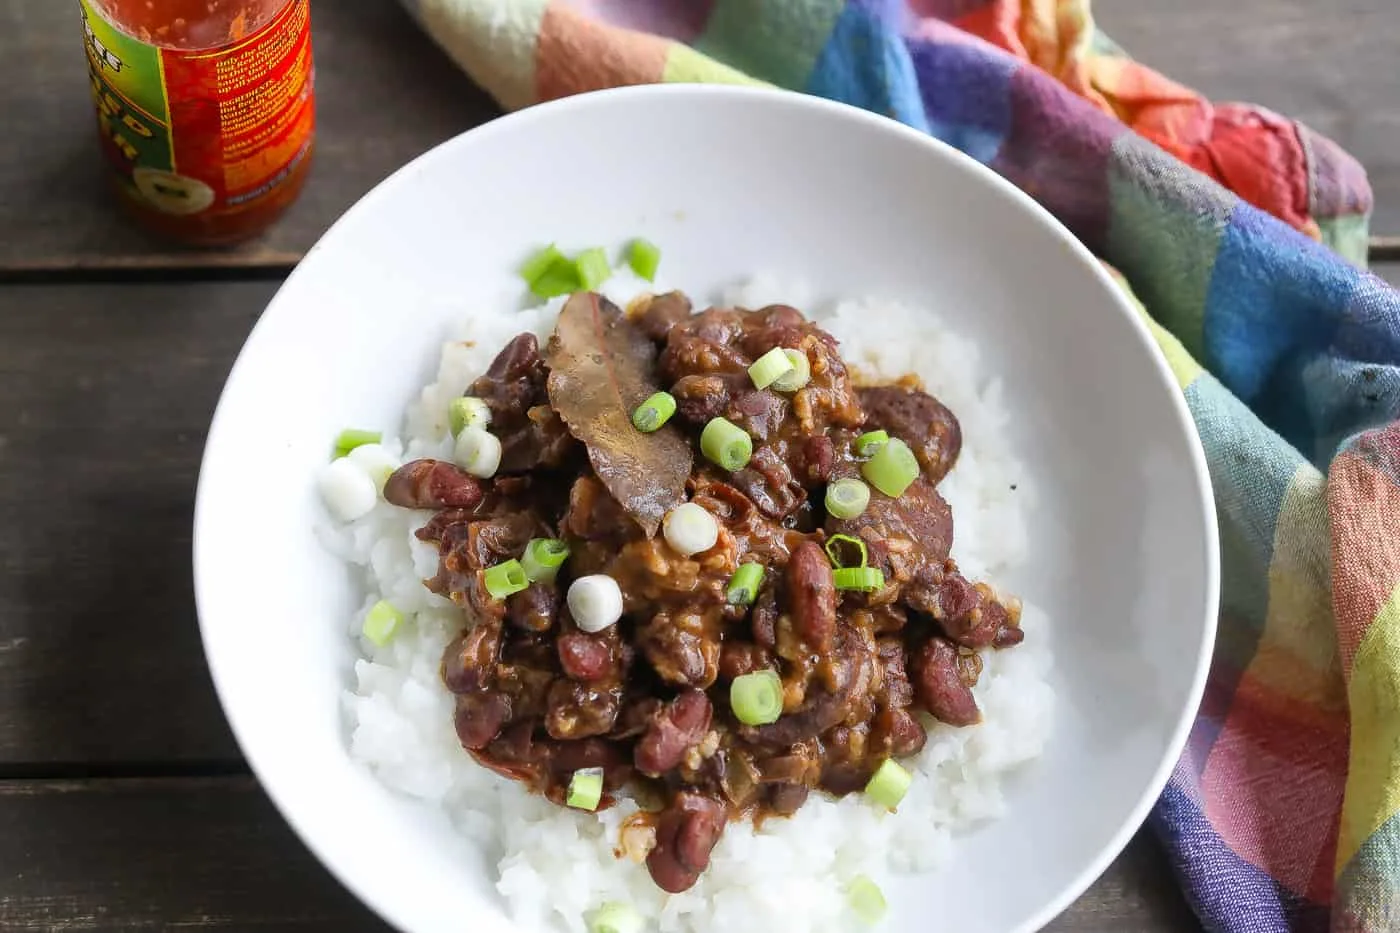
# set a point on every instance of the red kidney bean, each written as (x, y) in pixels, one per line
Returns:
(432, 484)
(674, 730)
(939, 686)
(812, 596)
(686, 833)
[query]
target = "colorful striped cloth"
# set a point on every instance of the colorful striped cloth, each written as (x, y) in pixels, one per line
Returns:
(1230, 223)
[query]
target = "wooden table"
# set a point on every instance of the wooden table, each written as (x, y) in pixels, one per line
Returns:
(124, 803)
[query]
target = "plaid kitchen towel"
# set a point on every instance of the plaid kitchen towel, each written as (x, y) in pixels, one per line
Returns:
(1232, 226)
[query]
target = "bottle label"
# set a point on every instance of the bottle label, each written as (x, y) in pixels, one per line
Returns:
(214, 130)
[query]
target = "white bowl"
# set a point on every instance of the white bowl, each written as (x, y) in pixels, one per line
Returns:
(729, 182)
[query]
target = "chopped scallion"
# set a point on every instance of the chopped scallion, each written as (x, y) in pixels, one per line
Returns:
(585, 789)
(376, 461)
(615, 917)
(690, 529)
(348, 491)
(550, 273)
(542, 559)
(768, 367)
(869, 442)
(743, 586)
(862, 579)
(892, 469)
(757, 698)
(506, 579)
(645, 258)
(478, 451)
(595, 602)
(593, 268)
(847, 498)
(381, 622)
(539, 263)
(654, 412)
(838, 548)
(798, 376)
(726, 445)
(351, 438)
(889, 784)
(560, 277)
(866, 900)
(467, 412)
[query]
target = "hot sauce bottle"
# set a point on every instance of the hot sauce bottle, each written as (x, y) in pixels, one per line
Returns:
(205, 108)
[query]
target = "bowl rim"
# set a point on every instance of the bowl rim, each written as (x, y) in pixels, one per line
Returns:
(956, 160)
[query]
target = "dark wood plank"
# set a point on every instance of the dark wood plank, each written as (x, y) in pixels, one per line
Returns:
(214, 854)
(1390, 271)
(108, 392)
(1138, 894)
(161, 855)
(385, 95)
(1329, 65)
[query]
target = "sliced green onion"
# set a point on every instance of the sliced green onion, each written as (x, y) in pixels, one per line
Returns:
(348, 491)
(654, 412)
(540, 262)
(381, 622)
(847, 498)
(863, 579)
(836, 543)
(550, 273)
(506, 579)
(560, 277)
(869, 442)
(351, 438)
(542, 559)
(757, 698)
(376, 461)
(615, 917)
(866, 899)
(768, 367)
(595, 602)
(585, 789)
(468, 412)
(593, 268)
(798, 376)
(645, 258)
(889, 784)
(726, 444)
(892, 468)
(743, 586)
(478, 451)
(690, 529)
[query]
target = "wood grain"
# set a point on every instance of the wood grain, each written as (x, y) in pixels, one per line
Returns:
(108, 392)
(1329, 65)
(160, 855)
(1138, 894)
(214, 854)
(386, 94)
(1390, 271)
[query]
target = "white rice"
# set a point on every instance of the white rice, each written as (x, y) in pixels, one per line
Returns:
(556, 864)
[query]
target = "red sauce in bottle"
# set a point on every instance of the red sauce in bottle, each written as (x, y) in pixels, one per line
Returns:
(205, 108)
